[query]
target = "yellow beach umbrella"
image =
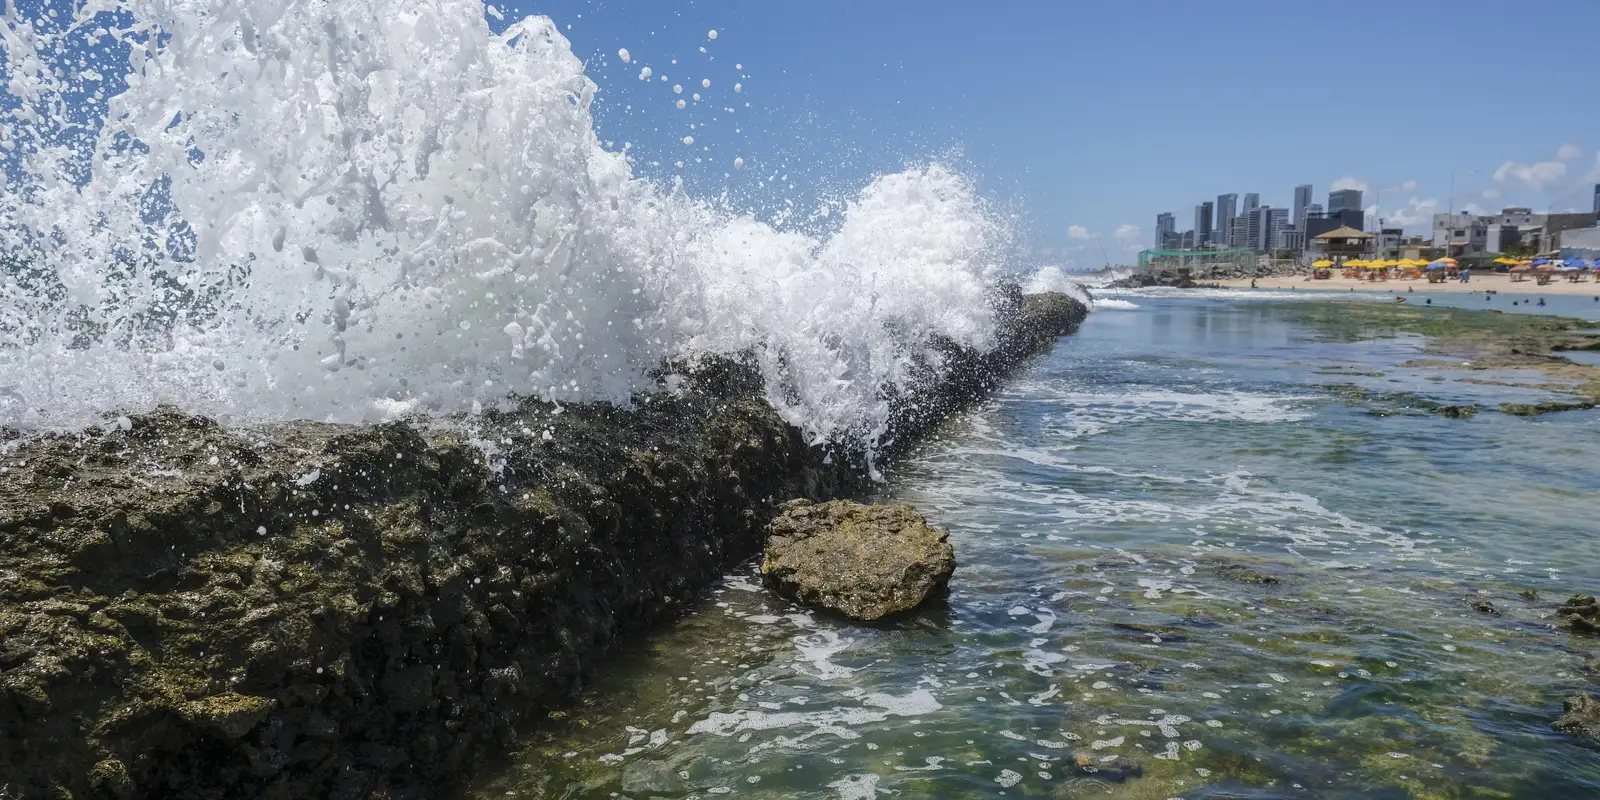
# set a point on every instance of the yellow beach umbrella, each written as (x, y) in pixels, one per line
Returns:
(1322, 263)
(1355, 262)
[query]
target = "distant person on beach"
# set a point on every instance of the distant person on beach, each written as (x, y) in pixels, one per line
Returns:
(1252, 283)
(1466, 275)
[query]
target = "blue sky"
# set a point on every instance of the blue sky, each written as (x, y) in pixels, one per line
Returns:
(1086, 119)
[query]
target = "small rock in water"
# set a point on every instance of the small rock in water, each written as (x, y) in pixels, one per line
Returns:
(1482, 605)
(1580, 613)
(865, 561)
(1582, 717)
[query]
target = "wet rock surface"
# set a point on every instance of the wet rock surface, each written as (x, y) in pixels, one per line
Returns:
(1582, 717)
(863, 561)
(316, 610)
(1581, 613)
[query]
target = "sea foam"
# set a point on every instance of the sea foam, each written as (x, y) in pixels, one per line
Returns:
(271, 209)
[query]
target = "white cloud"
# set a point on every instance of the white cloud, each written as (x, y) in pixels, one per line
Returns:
(1491, 194)
(1534, 176)
(1475, 210)
(1569, 152)
(1079, 232)
(1130, 236)
(1405, 186)
(1415, 214)
(1348, 182)
(1594, 177)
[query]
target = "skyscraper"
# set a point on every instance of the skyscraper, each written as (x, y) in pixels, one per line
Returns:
(1302, 204)
(1166, 228)
(1202, 223)
(1344, 199)
(1227, 209)
(1252, 201)
(1256, 221)
(1597, 198)
(1277, 220)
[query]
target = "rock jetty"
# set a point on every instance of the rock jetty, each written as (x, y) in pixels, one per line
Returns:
(314, 610)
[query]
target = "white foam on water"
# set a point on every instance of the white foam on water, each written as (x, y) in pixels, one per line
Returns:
(816, 649)
(875, 707)
(856, 787)
(345, 211)
(1113, 304)
(1217, 294)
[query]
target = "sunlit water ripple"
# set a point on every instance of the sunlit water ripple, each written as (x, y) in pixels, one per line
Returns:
(1185, 572)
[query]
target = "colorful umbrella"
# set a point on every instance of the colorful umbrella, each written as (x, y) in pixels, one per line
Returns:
(1322, 263)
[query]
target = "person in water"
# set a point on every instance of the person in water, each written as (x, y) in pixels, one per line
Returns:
(1541, 301)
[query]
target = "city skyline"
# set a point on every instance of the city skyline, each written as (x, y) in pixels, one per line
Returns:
(1262, 227)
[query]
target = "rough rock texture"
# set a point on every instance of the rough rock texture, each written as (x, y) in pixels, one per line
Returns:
(1582, 717)
(312, 610)
(1581, 613)
(864, 561)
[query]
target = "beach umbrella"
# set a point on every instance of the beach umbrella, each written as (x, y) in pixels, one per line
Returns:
(1441, 264)
(1323, 263)
(1577, 263)
(1539, 262)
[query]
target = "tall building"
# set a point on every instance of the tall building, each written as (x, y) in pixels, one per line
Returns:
(1239, 232)
(1252, 201)
(1166, 228)
(1343, 200)
(1302, 205)
(1227, 209)
(1277, 222)
(1202, 223)
(1254, 222)
(1597, 198)
(1314, 208)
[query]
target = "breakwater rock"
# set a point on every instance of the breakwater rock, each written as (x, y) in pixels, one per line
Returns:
(317, 610)
(863, 561)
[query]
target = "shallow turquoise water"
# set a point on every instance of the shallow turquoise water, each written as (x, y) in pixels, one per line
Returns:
(1187, 570)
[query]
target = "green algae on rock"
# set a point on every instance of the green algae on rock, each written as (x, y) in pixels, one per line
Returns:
(319, 610)
(864, 561)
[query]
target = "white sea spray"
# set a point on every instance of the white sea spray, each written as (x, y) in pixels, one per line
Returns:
(354, 211)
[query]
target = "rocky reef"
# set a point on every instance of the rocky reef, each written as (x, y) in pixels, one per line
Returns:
(317, 610)
(863, 561)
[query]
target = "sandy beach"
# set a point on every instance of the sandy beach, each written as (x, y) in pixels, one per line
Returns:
(1479, 283)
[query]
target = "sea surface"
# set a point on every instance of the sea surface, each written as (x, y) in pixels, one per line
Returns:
(1191, 566)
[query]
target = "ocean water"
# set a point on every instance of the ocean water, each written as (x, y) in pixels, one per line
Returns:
(1187, 569)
